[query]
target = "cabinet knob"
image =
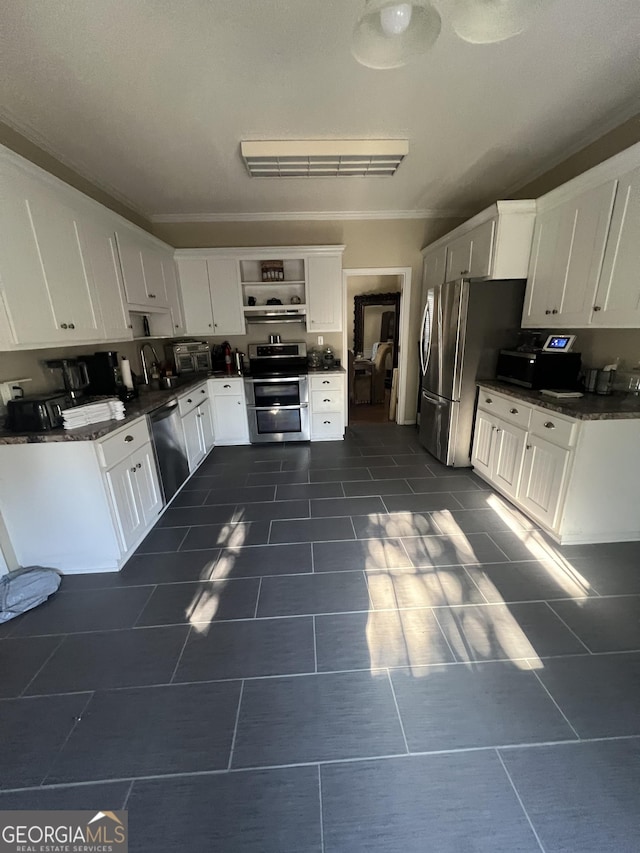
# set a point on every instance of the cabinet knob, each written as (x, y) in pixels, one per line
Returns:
(597, 308)
(71, 326)
(63, 326)
(226, 386)
(239, 402)
(152, 296)
(189, 400)
(326, 382)
(177, 326)
(130, 326)
(498, 429)
(139, 465)
(547, 311)
(202, 391)
(488, 400)
(464, 272)
(211, 325)
(513, 411)
(133, 470)
(555, 311)
(326, 422)
(326, 400)
(529, 446)
(549, 425)
(128, 438)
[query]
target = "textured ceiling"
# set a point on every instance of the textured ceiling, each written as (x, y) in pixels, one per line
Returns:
(150, 99)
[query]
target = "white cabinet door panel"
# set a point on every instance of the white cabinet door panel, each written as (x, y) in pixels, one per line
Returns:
(483, 442)
(230, 419)
(120, 480)
(152, 267)
(482, 241)
(101, 257)
(618, 297)
(196, 296)
(508, 453)
(550, 240)
(130, 252)
(147, 484)
(433, 270)
(543, 479)
(226, 296)
(459, 258)
(324, 293)
(173, 293)
(206, 425)
(192, 436)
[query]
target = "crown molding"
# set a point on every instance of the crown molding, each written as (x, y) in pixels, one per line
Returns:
(32, 135)
(310, 216)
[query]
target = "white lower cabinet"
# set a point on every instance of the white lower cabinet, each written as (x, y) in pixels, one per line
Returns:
(80, 506)
(326, 406)
(579, 479)
(229, 411)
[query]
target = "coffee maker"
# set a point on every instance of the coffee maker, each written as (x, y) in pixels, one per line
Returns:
(72, 377)
(105, 378)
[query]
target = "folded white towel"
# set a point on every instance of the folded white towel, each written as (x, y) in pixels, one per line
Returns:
(93, 413)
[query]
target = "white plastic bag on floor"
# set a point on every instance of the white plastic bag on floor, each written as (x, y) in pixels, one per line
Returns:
(26, 588)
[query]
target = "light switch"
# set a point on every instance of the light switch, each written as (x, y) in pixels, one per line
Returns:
(320, 340)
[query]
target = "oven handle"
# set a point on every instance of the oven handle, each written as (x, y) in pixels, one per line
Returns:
(276, 406)
(257, 379)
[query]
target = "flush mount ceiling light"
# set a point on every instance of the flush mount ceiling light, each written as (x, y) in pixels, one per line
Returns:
(327, 158)
(390, 34)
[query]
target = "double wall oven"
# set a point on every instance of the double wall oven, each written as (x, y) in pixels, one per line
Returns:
(277, 392)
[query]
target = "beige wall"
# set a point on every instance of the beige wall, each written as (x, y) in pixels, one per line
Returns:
(22, 146)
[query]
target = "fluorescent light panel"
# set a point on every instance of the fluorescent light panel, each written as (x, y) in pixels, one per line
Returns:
(333, 158)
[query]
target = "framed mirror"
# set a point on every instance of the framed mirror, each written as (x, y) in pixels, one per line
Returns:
(376, 317)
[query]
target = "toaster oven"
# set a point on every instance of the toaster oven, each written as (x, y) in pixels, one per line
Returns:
(189, 357)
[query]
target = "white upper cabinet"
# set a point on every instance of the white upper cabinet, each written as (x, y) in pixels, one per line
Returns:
(142, 270)
(324, 293)
(433, 270)
(196, 295)
(617, 300)
(48, 292)
(101, 258)
(495, 244)
(586, 250)
(226, 296)
(172, 291)
(568, 249)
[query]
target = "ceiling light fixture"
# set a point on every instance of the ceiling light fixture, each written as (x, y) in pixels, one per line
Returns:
(389, 34)
(323, 158)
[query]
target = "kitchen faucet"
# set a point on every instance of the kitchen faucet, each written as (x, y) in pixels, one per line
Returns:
(143, 361)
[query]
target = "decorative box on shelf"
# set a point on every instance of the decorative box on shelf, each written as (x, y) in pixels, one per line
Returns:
(272, 270)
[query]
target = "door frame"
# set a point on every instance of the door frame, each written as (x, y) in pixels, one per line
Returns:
(404, 273)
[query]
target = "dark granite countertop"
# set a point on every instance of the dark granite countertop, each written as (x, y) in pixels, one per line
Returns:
(591, 407)
(142, 405)
(314, 370)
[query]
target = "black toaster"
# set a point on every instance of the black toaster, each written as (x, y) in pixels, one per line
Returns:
(37, 413)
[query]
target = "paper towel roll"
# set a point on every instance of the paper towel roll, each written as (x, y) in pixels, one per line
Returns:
(125, 371)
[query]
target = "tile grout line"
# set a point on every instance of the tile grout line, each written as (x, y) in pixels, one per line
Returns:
(184, 646)
(268, 542)
(63, 637)
(255, 612)
(313, 560)
(567, 626)
(315, 645)
(519, 798)
(502, 550)
(235, 728)
(395, 702)
(548, 692)
(154, 587)
(76, 720)
(446, 639)
(465, 569)
(321, 809)
(182, 541)
(126, 799)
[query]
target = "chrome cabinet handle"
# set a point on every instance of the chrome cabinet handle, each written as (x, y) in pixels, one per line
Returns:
(202, 391)
(529, 446)
(139, 465)
(63, 326)
(128, 438)
(488, 400)
(549, 425)
(547, 311)
(513, 411)
(326, 382)
(597, 308)
(133, 470)
(71, 325)
(555, 311)
(226, 386)
(152, 296)
(211, 325)
(326, 422)
(189, 400)
(130, 326)
(239, 402)
(326, 400)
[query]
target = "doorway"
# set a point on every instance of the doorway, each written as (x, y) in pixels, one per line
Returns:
(374, 339)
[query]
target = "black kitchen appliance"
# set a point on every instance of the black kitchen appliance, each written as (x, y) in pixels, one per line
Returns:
(535, 370)
(103, 369)
(277, 392)
(37, 413)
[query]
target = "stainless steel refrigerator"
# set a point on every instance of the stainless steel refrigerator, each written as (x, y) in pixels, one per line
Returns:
(464, 325)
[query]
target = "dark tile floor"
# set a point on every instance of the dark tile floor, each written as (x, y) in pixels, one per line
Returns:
(337, 647)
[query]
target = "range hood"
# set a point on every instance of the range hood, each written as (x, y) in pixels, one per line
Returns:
(275, 317)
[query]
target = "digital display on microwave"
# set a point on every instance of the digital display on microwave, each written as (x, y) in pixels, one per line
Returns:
(559, 343)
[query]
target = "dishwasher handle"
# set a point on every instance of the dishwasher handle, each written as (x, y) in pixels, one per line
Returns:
(165, 411)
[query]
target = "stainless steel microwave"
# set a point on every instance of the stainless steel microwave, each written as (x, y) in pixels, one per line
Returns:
(552, 370)
(189, 357)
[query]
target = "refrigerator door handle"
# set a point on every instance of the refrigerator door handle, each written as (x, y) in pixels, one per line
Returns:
(427, 318)
(433, 400)
(423, 364)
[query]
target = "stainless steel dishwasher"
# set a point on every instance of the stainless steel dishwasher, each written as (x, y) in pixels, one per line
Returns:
(170, 447)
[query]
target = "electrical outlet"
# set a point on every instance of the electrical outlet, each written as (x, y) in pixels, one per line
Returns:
(320, 340)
